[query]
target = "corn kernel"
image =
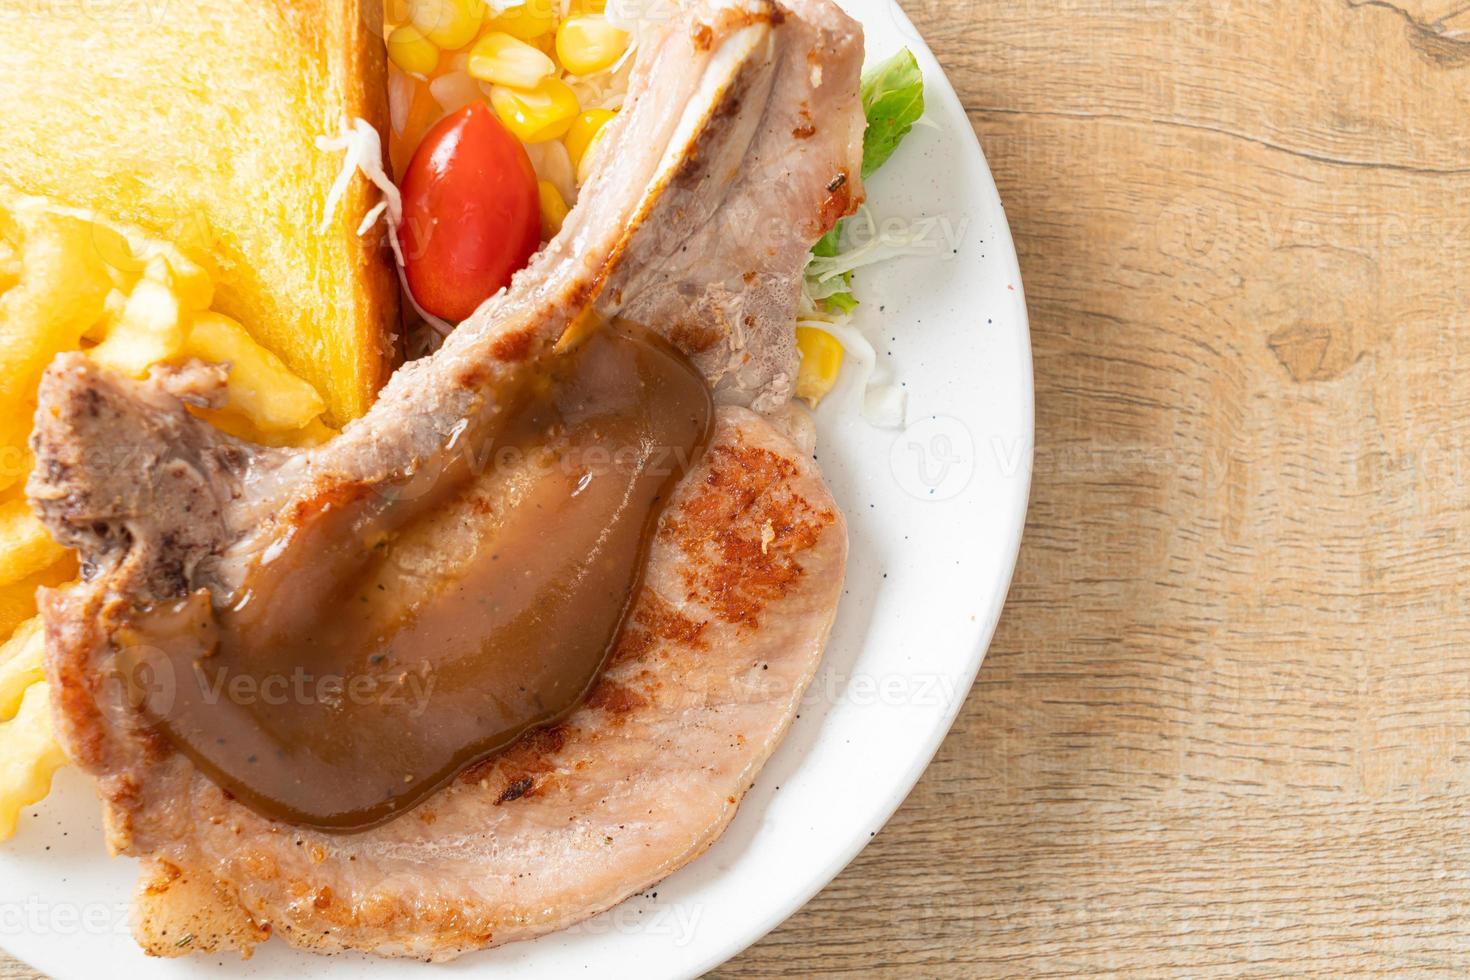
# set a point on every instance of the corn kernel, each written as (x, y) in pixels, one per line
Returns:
(411, 51)
(554, 209)
(589, 44)
(527, 21)
(450, 24)
(535, 115)
(589, 157)
(587, 127)
(501, 59)
(821, 360)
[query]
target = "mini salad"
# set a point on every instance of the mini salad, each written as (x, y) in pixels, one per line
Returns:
(497, 115)
(893, 102)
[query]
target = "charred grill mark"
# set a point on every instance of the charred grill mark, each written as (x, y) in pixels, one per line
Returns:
(474, 377)
(744, 532)
(614, 698)
(657, 622)
(531, 758)
(516, 790)
(667, 623)
(326, 498)
(513, 347)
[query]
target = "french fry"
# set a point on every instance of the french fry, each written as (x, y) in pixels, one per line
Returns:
(60, 292)
(71, 284)
(313, 433)
(10, 264)
(190, 280)
(151, 329)
(26, 547)
(29, 757)
(261, 387)
(18, 600)
(20, 665)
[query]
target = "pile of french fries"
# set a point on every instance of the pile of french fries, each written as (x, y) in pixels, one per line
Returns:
(73, 282)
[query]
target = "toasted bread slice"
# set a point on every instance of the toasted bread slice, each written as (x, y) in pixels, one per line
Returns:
(198, 123)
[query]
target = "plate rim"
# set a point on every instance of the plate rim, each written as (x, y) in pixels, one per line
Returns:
(739, 940)
(903, 788)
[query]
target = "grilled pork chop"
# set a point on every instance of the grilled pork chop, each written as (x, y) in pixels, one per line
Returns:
(741, 585)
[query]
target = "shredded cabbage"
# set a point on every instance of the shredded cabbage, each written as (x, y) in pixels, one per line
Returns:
(879, 247)
(893, 102)
(362, 152)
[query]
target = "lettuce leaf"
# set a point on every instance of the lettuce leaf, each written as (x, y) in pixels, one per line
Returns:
(893, 100)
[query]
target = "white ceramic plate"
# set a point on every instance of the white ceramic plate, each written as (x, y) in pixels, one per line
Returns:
(936, 515)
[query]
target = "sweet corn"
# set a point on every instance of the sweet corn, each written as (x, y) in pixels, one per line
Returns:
(554, 209)
(449, 24)
(589, 157)
(503, 59)
(589, 44)
(527, 21)
(536, 115)
(821, 360)
(411, 51)
(587, 128)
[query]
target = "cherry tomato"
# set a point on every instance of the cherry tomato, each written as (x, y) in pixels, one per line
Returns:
(471, 213)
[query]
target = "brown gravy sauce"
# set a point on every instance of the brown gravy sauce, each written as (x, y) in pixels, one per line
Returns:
(409, 631)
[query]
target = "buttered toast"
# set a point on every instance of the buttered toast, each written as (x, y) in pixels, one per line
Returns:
(198, 122)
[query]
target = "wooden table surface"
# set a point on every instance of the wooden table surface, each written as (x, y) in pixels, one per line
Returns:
(1225, 724)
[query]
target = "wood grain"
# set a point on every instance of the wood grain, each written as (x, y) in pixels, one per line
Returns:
(1225, 725)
